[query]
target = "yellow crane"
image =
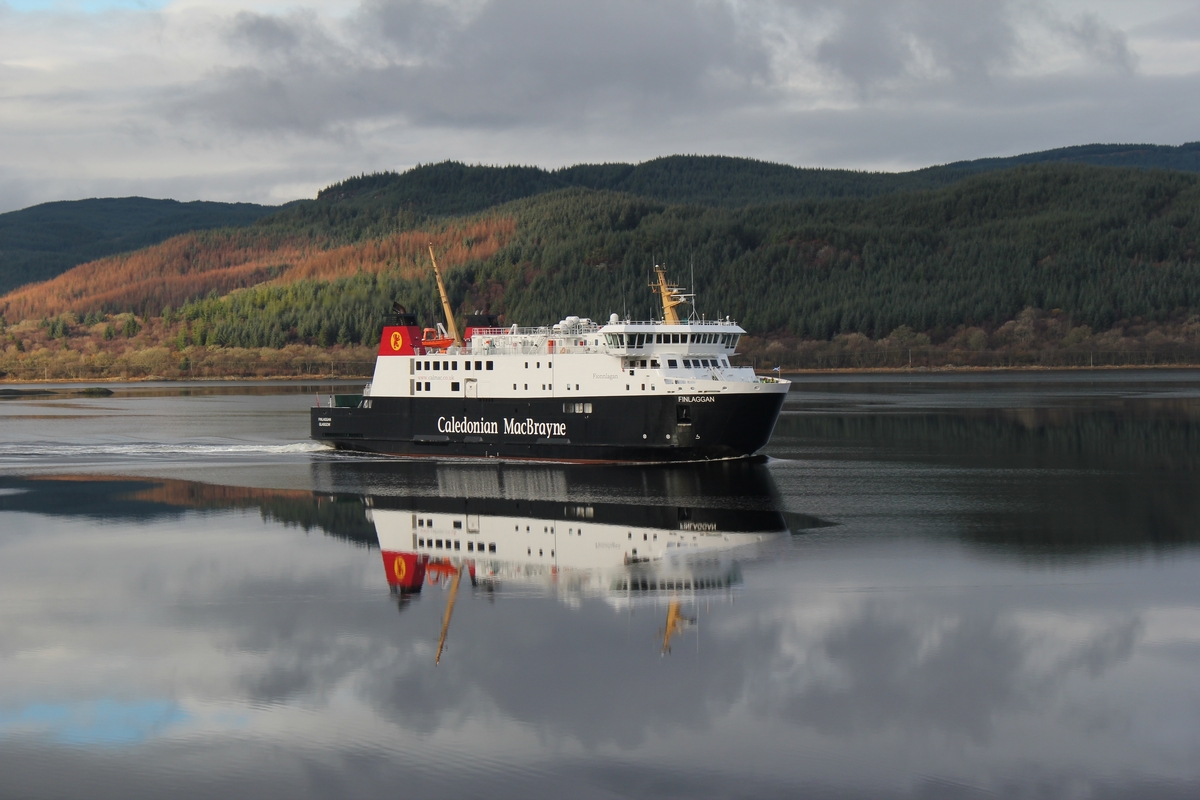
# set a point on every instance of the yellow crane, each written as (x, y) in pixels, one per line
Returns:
(451, 327)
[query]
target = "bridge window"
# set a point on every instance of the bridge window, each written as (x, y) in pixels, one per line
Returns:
(672, 363)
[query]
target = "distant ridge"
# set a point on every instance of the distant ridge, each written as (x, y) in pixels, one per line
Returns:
(450, 188)
(42, 241)
(1184, 158)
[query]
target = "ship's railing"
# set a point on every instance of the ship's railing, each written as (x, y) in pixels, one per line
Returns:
(683, 324)
(542, 331)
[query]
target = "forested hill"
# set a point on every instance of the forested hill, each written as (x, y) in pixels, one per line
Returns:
(1100, 247)
(42, 241)
(450, 188)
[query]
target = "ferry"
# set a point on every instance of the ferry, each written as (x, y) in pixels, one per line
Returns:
(579, 391)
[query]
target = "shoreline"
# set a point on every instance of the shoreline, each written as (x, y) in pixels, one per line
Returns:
(327, 378)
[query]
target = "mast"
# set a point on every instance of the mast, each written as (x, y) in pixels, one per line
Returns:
(453, 328)
(672, 296)
(449, 611)
(676, 622)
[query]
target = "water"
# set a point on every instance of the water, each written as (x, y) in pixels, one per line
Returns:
(935, 587)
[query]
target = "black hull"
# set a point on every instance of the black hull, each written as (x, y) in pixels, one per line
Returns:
(641, 429)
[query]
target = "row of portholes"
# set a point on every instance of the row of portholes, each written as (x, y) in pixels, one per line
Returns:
(447, 366)
(454, 544)
(654, 586)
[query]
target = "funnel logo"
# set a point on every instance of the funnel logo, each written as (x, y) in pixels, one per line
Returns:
(398, 341)
(399, 568)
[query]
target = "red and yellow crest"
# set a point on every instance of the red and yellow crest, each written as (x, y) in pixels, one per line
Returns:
(398, 341)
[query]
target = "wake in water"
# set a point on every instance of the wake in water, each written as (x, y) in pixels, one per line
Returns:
(153, 449)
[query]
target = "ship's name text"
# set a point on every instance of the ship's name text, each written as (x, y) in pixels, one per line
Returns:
(527, 427)
(700, 399)
(467, 425)
(512, 426)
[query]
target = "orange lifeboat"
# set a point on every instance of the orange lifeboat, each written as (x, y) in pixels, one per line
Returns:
(433, 339)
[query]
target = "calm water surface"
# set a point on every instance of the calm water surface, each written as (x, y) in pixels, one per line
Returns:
(935, 587)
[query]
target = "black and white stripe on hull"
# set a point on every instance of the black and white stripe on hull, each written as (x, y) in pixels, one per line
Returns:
(602, 430)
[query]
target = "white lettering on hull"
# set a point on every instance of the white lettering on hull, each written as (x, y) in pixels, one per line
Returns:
(466, 425)
(512, 427)
(700, 399)
(528, 427)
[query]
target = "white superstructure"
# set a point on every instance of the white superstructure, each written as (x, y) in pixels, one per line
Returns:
(577, 358)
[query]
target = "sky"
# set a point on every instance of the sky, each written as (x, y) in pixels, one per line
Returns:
(268, 101)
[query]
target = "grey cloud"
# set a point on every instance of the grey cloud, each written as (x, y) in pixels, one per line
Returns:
(1100, 42)
(892, 672)
(1181, 26)
(292, 101)
(875, 42)
(512, 63)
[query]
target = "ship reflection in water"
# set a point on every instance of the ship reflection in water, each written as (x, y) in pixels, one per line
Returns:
(671, 554)
(675, 540)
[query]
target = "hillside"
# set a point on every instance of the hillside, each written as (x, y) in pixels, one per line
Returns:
(1050, 259)
(42, 241)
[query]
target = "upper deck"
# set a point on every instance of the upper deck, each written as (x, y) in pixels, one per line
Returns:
(618, 338)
